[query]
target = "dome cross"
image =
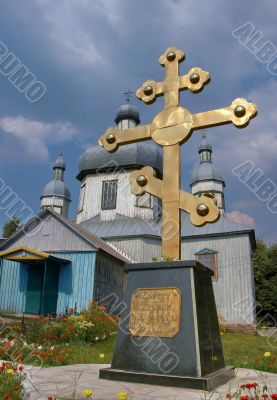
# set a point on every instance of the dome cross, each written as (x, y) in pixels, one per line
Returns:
(128, 95)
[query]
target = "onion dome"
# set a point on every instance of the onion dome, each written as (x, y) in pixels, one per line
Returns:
(131, 156)
(127, 111)
(206, 170)
(57, 186)
(59, 163)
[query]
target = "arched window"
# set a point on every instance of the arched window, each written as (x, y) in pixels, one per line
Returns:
(208, 257)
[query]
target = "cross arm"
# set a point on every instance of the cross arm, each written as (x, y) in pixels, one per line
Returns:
(239, 113)
(194, 80)
(113, 137)
(145, 181)
(202, 209)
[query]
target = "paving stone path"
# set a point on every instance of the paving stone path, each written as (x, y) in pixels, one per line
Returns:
(62, 382)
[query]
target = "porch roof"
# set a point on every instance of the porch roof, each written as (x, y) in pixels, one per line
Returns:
(25, 254)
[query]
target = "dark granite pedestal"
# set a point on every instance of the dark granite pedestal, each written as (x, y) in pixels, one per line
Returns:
(192, 357)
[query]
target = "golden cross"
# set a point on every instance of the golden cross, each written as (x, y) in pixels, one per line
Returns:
(170, 128)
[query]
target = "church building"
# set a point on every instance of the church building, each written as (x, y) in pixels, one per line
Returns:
(53, 264)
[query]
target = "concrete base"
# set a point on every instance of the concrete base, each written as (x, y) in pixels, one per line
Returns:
(191, 358)
(208, 382)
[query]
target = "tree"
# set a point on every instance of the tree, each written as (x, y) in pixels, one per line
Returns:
(11, 227)
(265, 274)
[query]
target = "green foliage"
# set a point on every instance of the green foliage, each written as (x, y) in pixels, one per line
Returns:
(11, 378)
(265, 273)
(162, 259)
(11, 227)
(92, 325)
(45, 341)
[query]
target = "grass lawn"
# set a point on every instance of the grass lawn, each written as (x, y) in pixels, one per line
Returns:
(240, 349)
(247, 351)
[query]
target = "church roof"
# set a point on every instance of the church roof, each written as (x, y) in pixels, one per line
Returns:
(94, 241)
(121, 226)
(136, 155)
(206, 171)
(128, 227)
(60, 163)
(56, 187)
(127, 111)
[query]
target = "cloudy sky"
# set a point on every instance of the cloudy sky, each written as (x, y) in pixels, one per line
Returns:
(87, 53)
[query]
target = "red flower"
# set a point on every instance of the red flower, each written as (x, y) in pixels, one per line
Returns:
(274, 396)
(265, 396)
(7, 395)
(270, 366)
(244, 397)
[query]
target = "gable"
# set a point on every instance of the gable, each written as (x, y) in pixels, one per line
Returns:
(23, 253)
(206, 251)
(47, 233)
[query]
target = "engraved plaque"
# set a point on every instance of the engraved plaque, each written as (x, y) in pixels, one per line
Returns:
(155, 312)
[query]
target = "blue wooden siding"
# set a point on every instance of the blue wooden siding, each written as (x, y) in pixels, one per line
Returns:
(76, 280)
(13, 285)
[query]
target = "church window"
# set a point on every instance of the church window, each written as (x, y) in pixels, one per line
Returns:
(109, 194)
(143, 201)
(208, 257)
(82, 197)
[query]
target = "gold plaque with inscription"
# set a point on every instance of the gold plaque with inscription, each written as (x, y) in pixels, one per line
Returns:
(155, 312)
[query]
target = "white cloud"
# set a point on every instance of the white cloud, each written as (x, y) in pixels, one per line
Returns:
(241, 218)
(23, 138)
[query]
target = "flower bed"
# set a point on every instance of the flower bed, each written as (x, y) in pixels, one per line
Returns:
(92, 325)
(53, 342)
(11, 378)
(252, 391)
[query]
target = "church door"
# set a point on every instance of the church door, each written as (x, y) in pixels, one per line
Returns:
(42, 288)
(34, 288)
(51, 283)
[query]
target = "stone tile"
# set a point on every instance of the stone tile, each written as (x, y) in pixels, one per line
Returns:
(62, 381)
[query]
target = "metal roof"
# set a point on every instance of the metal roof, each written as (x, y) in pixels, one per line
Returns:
(127, 111)
(122, 227)
(96, 242)
(60, 163)
(127, 227)
(206, 171)
(56, 187)
(95, 159)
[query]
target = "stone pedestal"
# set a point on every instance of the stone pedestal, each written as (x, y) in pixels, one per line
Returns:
(169, 333)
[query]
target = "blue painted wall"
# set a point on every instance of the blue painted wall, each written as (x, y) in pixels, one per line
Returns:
(75, 282)
(13, 284)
